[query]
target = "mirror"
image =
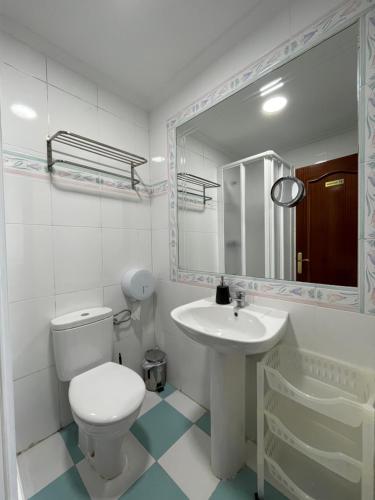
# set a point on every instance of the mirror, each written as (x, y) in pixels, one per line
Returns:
(288, 191)
(268, 178)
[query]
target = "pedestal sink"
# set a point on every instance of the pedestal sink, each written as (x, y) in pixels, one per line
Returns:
(231, 333)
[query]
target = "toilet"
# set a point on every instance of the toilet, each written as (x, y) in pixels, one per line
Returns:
(105, 397)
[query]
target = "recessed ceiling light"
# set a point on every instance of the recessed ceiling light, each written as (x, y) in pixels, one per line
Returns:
(269, 85)
(157, 159)
(274, 104)
(23, 111)
(272, 89)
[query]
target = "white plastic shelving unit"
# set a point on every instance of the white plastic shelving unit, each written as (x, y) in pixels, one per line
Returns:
(315, 425)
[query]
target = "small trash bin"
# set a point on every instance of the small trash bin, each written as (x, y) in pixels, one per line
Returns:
(154, 369)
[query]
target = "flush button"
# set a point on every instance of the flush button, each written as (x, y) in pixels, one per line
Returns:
(85, 314)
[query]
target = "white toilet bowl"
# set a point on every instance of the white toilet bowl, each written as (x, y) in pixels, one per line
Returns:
(105, 402)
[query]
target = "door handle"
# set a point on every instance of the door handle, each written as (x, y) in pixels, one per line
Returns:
(300, 261)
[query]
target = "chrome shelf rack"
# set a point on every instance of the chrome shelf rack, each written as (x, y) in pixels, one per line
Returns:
(91, 146)
(189, 181)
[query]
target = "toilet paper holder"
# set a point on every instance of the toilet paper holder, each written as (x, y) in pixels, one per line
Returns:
(117, 321)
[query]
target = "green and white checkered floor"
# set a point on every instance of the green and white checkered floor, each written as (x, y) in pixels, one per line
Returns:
(169, 459)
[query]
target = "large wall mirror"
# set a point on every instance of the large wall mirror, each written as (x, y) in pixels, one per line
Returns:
(299, 124)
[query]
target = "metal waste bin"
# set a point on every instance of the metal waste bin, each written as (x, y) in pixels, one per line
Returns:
(154, 369)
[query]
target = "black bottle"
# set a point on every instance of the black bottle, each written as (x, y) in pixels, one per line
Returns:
(222, 293)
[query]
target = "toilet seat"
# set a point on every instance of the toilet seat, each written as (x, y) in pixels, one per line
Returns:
(106, 394)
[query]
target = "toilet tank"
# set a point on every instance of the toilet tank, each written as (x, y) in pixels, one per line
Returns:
(82, 340)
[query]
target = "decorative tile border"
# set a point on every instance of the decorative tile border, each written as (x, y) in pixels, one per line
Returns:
(345, 298)
(338, 298)
(330, 24)
(368, 256)
(24, 164)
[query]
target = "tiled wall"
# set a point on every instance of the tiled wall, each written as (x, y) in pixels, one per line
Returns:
(67, 240)
(198, 224)
(345, 335)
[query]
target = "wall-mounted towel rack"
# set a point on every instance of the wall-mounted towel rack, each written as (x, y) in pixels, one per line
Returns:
(188, 181)
(96, 148)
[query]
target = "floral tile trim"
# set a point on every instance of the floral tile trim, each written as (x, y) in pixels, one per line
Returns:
(24, 163)
(294, 291)
(369, 282)
(338, 298)
(16, 162)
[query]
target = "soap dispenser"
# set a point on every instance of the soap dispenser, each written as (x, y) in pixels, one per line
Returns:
(222, 293)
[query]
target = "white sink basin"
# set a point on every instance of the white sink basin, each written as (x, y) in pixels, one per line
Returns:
(250, 330)
(231, 334)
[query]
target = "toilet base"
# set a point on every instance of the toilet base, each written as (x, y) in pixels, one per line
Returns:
(106, 456)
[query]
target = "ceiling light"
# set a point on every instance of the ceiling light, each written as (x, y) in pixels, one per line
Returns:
(23, 111)
(274, 104)
(272, 89)
(269, 85)
(157, 159)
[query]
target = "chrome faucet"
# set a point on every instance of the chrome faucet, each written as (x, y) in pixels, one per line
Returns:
(239, 299)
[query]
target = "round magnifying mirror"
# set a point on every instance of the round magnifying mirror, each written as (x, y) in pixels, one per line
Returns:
(287, 191)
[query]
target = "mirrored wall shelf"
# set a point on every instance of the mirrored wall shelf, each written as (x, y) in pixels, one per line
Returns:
(93, 151)
(193, 185)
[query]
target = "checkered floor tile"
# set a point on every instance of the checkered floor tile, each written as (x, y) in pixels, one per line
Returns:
(169, 459)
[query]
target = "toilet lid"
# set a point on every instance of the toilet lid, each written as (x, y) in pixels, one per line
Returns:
(106, 393)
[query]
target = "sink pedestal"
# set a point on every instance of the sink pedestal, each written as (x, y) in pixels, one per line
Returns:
(227, 372)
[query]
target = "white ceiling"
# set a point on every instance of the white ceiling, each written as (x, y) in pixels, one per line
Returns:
(145, 50)
(321, 88)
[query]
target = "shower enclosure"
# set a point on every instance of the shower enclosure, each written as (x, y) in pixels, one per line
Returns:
(257, 236)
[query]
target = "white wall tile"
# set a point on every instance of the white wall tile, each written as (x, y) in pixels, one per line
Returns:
(301, 322)
(22, 56)
(160, 253)
(141, 117)
(70, 113)
(344, 335)
(199, 251)
(141, 148)
(71, 252)
(126, 211)
(36, 407)
(19, 88)
(130, 346)
(160, 212)
(114, 104)
(122, 250)
(158, 147)
(30, 333)
(77, 205)
(114, 298)
(27, 200)
(132, 338)
(77, 257)
(118, 253)
(116, 131)
(63, 78)
(74, 301)
(29, 261)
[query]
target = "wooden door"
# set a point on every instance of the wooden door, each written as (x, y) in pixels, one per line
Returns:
(327, 223)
